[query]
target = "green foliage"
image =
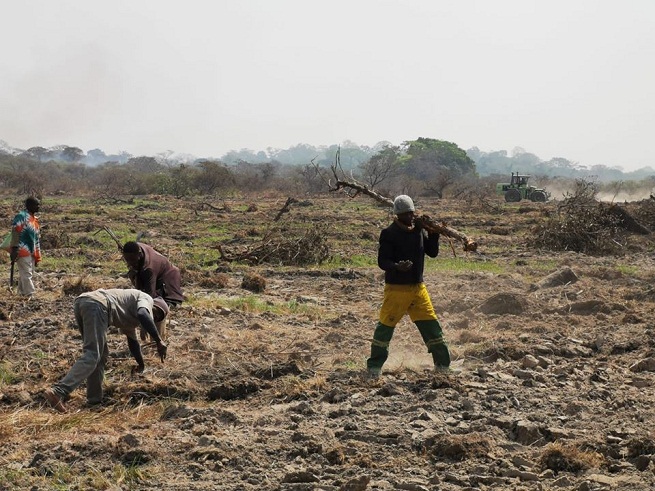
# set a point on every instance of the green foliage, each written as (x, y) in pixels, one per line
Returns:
(462, 264)
(15, 478)
(436, 163)
(62, 476)
(542, 265)
(628, 269)
(351, 364)
(354, 261)
(213, 176)
(7, 375)
(428, 165)
(130, 475)
(436, 153)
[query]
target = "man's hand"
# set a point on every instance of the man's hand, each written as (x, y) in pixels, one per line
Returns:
(161, 350)
(13, 254)
(138, 369)
(404, 266)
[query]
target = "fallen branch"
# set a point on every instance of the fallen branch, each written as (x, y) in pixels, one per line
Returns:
(279, 247)
(360, 189)
(204, 204)
(441, 228)
(430, 224)
(285, 208)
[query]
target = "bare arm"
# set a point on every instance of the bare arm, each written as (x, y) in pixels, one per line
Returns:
(147, 322)
(135, 350)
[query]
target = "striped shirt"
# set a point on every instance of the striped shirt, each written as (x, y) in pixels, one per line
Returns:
(26, 233)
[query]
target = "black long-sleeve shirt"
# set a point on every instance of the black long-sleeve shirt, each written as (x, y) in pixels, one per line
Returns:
(399, 244)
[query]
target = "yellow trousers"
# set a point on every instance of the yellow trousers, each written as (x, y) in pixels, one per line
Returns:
(406, 299)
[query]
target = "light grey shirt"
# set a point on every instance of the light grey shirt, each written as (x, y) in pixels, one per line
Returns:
(124, 304)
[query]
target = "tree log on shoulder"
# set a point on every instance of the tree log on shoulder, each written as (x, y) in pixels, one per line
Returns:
(441, 228)
(428, 223)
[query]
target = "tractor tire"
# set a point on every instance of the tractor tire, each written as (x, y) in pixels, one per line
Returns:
(513, 196)
(538, 196)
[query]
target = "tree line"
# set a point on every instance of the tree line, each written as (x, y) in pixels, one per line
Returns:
(421, 167)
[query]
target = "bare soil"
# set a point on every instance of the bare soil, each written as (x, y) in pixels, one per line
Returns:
(552, 386)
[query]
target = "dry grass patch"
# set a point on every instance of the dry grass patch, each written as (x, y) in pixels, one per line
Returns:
(469, 336)
(253, 282)
(559, 457)
(293, 388)
(27, 424)
(216, 280)
(77, 285)
(458, 447)
(490, 350)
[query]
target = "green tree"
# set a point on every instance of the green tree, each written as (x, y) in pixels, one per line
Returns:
(72, 154)
(182, 179)
(437, 163)
(213, 176)
(35, 153)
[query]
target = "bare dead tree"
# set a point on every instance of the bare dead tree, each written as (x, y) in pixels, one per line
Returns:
(442, 179)
(381, 166)
(352, 189)
(204, 204)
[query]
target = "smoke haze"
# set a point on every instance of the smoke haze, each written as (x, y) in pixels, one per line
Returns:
(560, 79)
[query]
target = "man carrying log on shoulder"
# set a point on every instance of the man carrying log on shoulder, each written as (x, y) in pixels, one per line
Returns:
(401, 254)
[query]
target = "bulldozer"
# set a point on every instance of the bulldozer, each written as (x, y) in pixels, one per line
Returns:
(518, 189)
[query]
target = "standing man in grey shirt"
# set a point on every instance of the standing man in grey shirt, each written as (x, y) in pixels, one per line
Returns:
(95, 311)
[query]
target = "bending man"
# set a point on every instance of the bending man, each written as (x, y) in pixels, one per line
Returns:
(152, 273)
(94, 312)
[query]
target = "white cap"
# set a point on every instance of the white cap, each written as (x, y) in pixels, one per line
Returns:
(402, 204)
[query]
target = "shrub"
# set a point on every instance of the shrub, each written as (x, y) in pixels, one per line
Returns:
(558, 457)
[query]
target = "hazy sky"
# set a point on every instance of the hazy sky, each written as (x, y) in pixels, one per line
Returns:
(573, 79)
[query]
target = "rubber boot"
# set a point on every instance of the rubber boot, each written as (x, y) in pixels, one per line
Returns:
(379, 348)
(433, 338)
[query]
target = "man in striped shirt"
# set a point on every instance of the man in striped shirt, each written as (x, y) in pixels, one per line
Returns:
(25, 246)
